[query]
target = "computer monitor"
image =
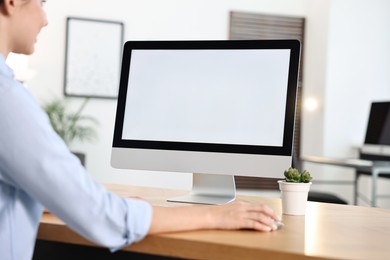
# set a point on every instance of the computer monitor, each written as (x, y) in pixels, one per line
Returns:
(378, 126)
(377, 139)
(212, 108)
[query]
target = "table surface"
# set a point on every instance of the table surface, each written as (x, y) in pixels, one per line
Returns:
(347, 162)
(327, 231)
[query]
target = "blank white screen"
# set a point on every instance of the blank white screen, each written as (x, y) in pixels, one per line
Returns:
(207, 96)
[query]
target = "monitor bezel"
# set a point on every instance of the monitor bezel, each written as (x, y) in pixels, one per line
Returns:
(288, 133)
(379, 111)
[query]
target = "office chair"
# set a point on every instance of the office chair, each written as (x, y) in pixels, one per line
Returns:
(374, 178)
(376, 148)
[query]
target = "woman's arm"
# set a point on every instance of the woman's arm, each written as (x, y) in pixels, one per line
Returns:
(236, 215)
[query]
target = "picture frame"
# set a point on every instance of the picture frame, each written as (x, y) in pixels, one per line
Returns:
(93, 57)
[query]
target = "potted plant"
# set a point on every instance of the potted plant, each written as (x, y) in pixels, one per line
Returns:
(69, 125)
(295, 188)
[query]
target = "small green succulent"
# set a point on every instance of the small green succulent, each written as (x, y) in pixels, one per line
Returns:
(293, 175)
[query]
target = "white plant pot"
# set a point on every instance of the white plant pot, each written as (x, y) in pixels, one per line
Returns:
(294, 197)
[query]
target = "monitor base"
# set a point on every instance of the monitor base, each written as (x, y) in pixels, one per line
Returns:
(209, 189)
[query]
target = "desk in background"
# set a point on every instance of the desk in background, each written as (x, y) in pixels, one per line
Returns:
(328, 231)
(375, 168)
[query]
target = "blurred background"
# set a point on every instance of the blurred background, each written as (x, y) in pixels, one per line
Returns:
(345, 67)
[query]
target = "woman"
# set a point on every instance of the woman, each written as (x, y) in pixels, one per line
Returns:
(37, 170)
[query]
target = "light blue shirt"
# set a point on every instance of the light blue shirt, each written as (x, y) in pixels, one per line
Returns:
(37, 170)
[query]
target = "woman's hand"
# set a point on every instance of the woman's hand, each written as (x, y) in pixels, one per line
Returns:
(243, 215)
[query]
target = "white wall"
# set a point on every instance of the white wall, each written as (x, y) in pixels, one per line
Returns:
(356, 72)
(346, 66)
(314, 75)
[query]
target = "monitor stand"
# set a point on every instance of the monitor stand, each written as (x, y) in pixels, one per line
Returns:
(209, 189)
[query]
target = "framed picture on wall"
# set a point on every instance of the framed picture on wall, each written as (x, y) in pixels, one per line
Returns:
(92, 57)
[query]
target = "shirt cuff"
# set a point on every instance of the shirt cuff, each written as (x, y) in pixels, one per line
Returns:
(138, 220)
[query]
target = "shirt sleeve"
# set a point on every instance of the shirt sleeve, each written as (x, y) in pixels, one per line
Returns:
(36, 160)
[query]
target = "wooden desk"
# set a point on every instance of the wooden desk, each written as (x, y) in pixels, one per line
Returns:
(328, 231)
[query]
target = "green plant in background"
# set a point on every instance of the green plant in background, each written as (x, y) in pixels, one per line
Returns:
(293, 175)
(70, 126)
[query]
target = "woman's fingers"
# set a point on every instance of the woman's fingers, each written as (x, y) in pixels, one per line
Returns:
(261, 221)
(244, 215)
